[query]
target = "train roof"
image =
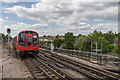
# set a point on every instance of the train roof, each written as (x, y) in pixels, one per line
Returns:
(27, 30)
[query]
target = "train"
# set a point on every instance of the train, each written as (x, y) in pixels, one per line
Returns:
(26, 42)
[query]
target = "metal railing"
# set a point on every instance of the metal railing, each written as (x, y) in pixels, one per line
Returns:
(101, 59)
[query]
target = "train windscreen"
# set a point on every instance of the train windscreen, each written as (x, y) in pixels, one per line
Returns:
(22, 39)
(29, 32)
(28, 40)
(35, 39)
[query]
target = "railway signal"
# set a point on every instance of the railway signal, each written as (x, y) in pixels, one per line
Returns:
(8, 31)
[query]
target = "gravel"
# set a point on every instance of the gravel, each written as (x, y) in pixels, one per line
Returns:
(13, 67)
(90, 64)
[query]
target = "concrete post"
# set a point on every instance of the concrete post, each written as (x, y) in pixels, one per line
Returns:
(8, 44)
(52, 47)
(91, 51)
(96, 51)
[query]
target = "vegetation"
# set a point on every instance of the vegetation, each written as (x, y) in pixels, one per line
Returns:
(69, 40)
(45, 43)
(80, 43)
(110, 36)
(83, 42)
(118, 43)
(4, 36)
(47, 36)
(57, 42)
(0, 36)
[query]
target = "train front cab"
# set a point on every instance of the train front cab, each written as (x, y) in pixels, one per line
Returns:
(28, 43)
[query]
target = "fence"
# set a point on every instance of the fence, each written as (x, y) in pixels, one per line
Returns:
(101, 59)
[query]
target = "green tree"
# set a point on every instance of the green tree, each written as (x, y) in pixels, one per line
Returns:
(0, 36)
(110, 36)
(87, 43)
(44, 36)
(48, 36)
(79, 35)
(105, 44)
(57, 36)
(79, 43)
(69, 40)
(95, 35)
(112, 48)
(118, 35)
(57, 42)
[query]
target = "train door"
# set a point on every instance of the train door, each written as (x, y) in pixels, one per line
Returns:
(29, 43)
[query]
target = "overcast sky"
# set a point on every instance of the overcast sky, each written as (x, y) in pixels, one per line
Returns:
(59, 16)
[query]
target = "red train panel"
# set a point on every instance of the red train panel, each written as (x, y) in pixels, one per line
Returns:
(26, 42)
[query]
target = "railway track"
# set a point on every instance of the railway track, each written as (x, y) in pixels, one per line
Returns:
(53, 66)
(41, 70)
(90, 72)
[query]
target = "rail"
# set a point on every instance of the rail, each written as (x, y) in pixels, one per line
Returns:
(90, 71)
(46, 61)
(101, 59)
(41, 70)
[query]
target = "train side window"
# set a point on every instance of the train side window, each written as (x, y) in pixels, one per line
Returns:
(35, 39)
(22, 39)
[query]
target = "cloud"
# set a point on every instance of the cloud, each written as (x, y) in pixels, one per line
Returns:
(86, 29)
(6, 17)
(5, 11)
(69, 15)
(16, 28)
(46, 11)
(1, 21)
(10, 1)
(43, 29)
(106, 27)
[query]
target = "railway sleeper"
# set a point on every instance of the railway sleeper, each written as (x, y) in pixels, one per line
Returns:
(65, 75)
(38, 71)
(56, 73)
(100, 73)
(89, 75)
(45, 73)
(39, 75)
(43, 68)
